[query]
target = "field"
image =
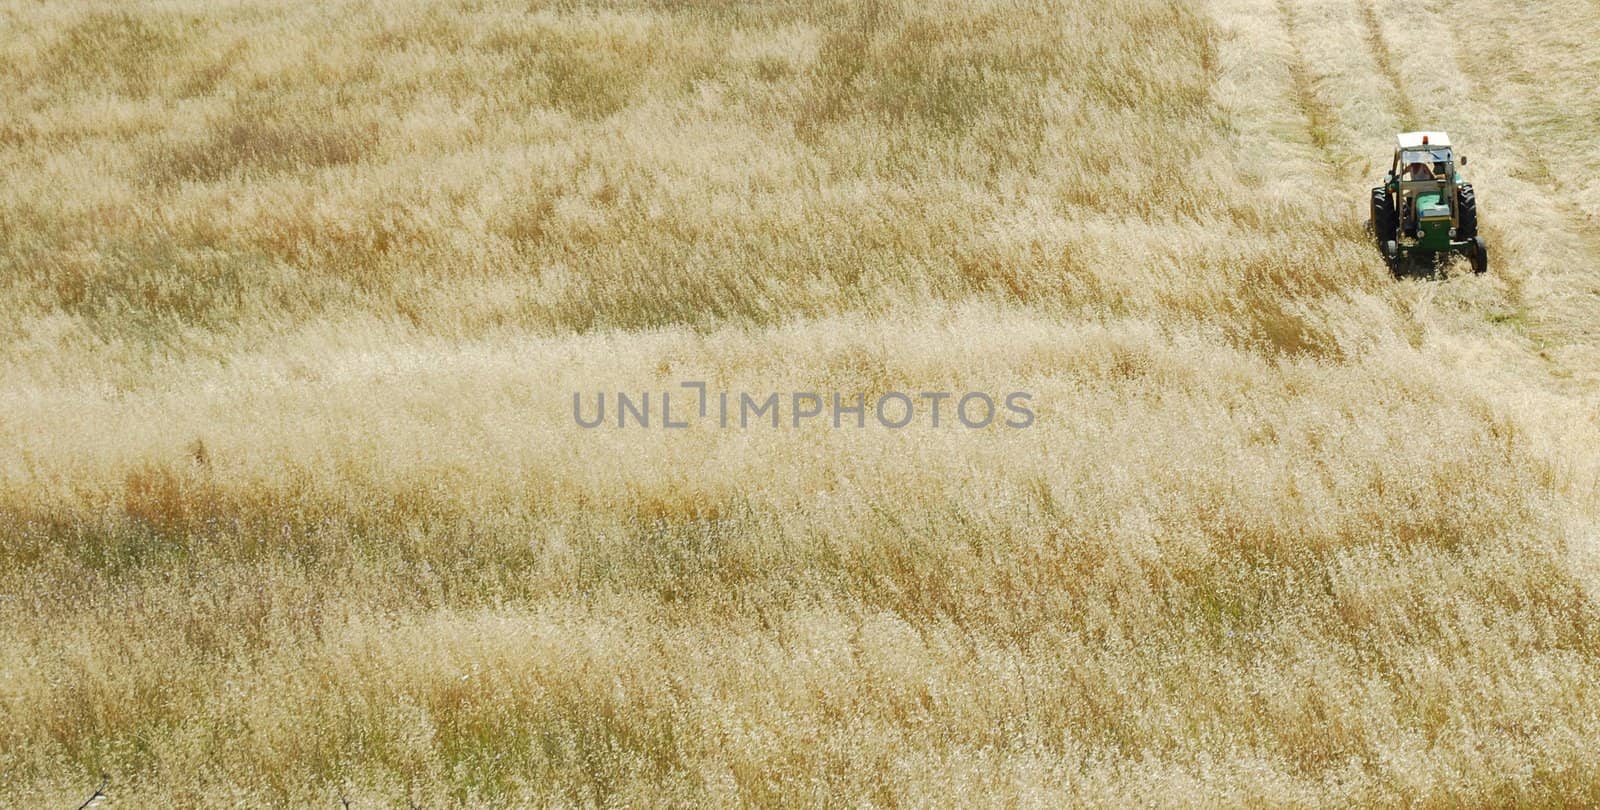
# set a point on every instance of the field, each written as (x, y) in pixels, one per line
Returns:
(294, 509)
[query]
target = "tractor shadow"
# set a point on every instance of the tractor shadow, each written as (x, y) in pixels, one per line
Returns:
(1431, 269)
(1434, 268)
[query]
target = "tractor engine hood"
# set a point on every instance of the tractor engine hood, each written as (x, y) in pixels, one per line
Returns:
(1432, 206)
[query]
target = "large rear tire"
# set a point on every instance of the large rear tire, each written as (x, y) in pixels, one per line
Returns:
(1383, 222)
(1480, 255)
(1467, 212)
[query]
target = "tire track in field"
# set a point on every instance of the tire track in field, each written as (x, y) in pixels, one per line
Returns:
(1383, 57)
(1320, 120)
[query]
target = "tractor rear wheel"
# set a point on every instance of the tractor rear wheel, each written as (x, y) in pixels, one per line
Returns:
(1467, 212)
(1383, 222)
(1480, 255)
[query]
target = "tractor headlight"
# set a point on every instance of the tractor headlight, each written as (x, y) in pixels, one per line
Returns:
(1452, 233)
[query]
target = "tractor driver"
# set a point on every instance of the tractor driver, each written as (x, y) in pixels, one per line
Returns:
(1419, 171)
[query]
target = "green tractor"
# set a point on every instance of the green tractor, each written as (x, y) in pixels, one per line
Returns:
(1424, 209)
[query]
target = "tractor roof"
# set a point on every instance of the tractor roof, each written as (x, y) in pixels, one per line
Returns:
(1413, 140)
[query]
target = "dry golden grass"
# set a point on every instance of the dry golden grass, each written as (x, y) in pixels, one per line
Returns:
(292, 506)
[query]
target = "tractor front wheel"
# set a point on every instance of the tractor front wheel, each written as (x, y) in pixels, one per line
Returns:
(1480, 255)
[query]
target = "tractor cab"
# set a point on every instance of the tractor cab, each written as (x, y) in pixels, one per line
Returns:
(1422, 179)
(1424, 162)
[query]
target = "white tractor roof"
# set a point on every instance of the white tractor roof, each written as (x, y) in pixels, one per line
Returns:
(1412, 140)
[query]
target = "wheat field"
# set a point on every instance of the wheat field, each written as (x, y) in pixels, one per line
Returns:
(294, 510)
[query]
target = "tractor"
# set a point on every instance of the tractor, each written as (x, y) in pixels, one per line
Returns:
(1424, 209)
